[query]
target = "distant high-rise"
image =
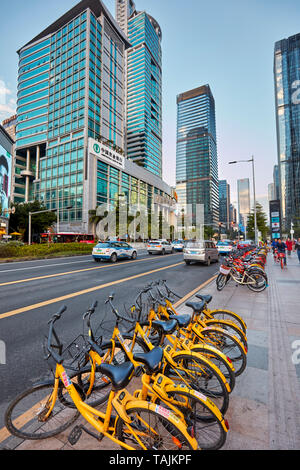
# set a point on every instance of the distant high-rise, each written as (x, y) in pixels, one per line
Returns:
(143, 85)
(224, 203)
(287, 100)
(243, 192)
(196, 153)
(271, 192)
(276, 182)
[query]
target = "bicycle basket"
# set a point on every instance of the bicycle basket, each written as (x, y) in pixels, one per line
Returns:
(224, 269)
(75, 355)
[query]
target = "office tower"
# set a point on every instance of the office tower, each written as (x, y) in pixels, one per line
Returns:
(224, 203)
(143, 85)
(70, 127)
(124, 9)
(271, 192)
(243, 190)
(70, 89)
(287, 100)
(196, 153)
(276, 182)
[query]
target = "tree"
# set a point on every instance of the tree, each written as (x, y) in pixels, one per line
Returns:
(19, 221)
(261, 220)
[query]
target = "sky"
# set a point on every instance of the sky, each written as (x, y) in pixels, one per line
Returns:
(226, 44)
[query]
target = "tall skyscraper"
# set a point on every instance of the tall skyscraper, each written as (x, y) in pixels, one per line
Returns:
(224, 203)
(287, 99)
(144, 92)
(196, 153)
(70, 136)
(271, 192)
(124, 10)
(276, 182)
(243, 193)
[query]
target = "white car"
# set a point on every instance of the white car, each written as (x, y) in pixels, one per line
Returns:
(178, 245)
(203, 251)
(225, 247)
(159, 246)
(112, 251)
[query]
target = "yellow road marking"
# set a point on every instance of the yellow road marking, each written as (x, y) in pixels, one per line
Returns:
(47, 276)
(194, 291)
(82, 292)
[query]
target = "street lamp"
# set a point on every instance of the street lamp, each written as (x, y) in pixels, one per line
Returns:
(29, 225)
(254, 197)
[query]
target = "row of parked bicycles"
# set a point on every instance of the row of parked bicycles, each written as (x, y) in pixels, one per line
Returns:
(147, 378)
(245, 267)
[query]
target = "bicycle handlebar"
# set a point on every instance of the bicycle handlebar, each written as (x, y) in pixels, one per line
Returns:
(56, 356)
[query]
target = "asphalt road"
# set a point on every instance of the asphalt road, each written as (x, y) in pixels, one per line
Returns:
(31, 291)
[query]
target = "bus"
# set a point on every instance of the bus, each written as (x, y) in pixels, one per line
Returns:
(66, 237)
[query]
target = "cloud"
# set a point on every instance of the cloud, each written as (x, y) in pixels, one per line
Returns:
(7, 101)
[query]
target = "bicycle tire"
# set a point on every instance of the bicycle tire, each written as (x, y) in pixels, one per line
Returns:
(208, 381)
(262, 286)
(169, 438)
(219, 341)
(221, 281)
(228, 315)
(231, 327)
(34, 428)
(219, 361)
(205, 422)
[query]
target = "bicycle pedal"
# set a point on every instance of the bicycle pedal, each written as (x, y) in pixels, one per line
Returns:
(75, 435)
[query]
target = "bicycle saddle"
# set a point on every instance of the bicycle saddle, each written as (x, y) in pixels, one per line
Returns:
(196, 306)
(151, 360)
(206, 298)
(166, 327)
(119, 375)
(182, 320)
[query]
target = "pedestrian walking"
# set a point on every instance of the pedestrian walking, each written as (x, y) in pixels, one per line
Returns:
(297, 248)
(289, 246)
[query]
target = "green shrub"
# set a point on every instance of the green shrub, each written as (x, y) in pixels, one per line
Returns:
(13, 250)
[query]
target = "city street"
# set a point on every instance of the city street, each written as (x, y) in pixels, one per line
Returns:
(264, 410)
(30, 292)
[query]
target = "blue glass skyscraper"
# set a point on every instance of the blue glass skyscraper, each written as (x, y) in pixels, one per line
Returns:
(144, 85)
(196, 153)
(287, 99)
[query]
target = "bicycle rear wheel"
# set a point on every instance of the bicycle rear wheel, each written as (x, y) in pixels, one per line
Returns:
(154, 428)
(221, 281)
(26, 415)
(220, 314)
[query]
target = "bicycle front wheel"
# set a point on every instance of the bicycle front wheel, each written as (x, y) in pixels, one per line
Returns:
(202, 417)
(220, 314)
(26, 417)
(221, 281)
(154, 428)
(199, 374)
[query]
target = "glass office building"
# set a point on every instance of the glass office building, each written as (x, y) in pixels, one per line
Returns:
(287, 100)
(70, 89)
(196, 153)
(144, 85)
(243, 193)
(224, 203)
(71, 92)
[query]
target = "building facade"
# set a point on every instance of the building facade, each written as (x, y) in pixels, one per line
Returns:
(196, 153)
(243, 193)
(224, 203)
(71, 89)
(287, 102)
(124, 10)
(144, 92)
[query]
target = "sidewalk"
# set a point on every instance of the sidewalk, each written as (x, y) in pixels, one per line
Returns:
(264, 409)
